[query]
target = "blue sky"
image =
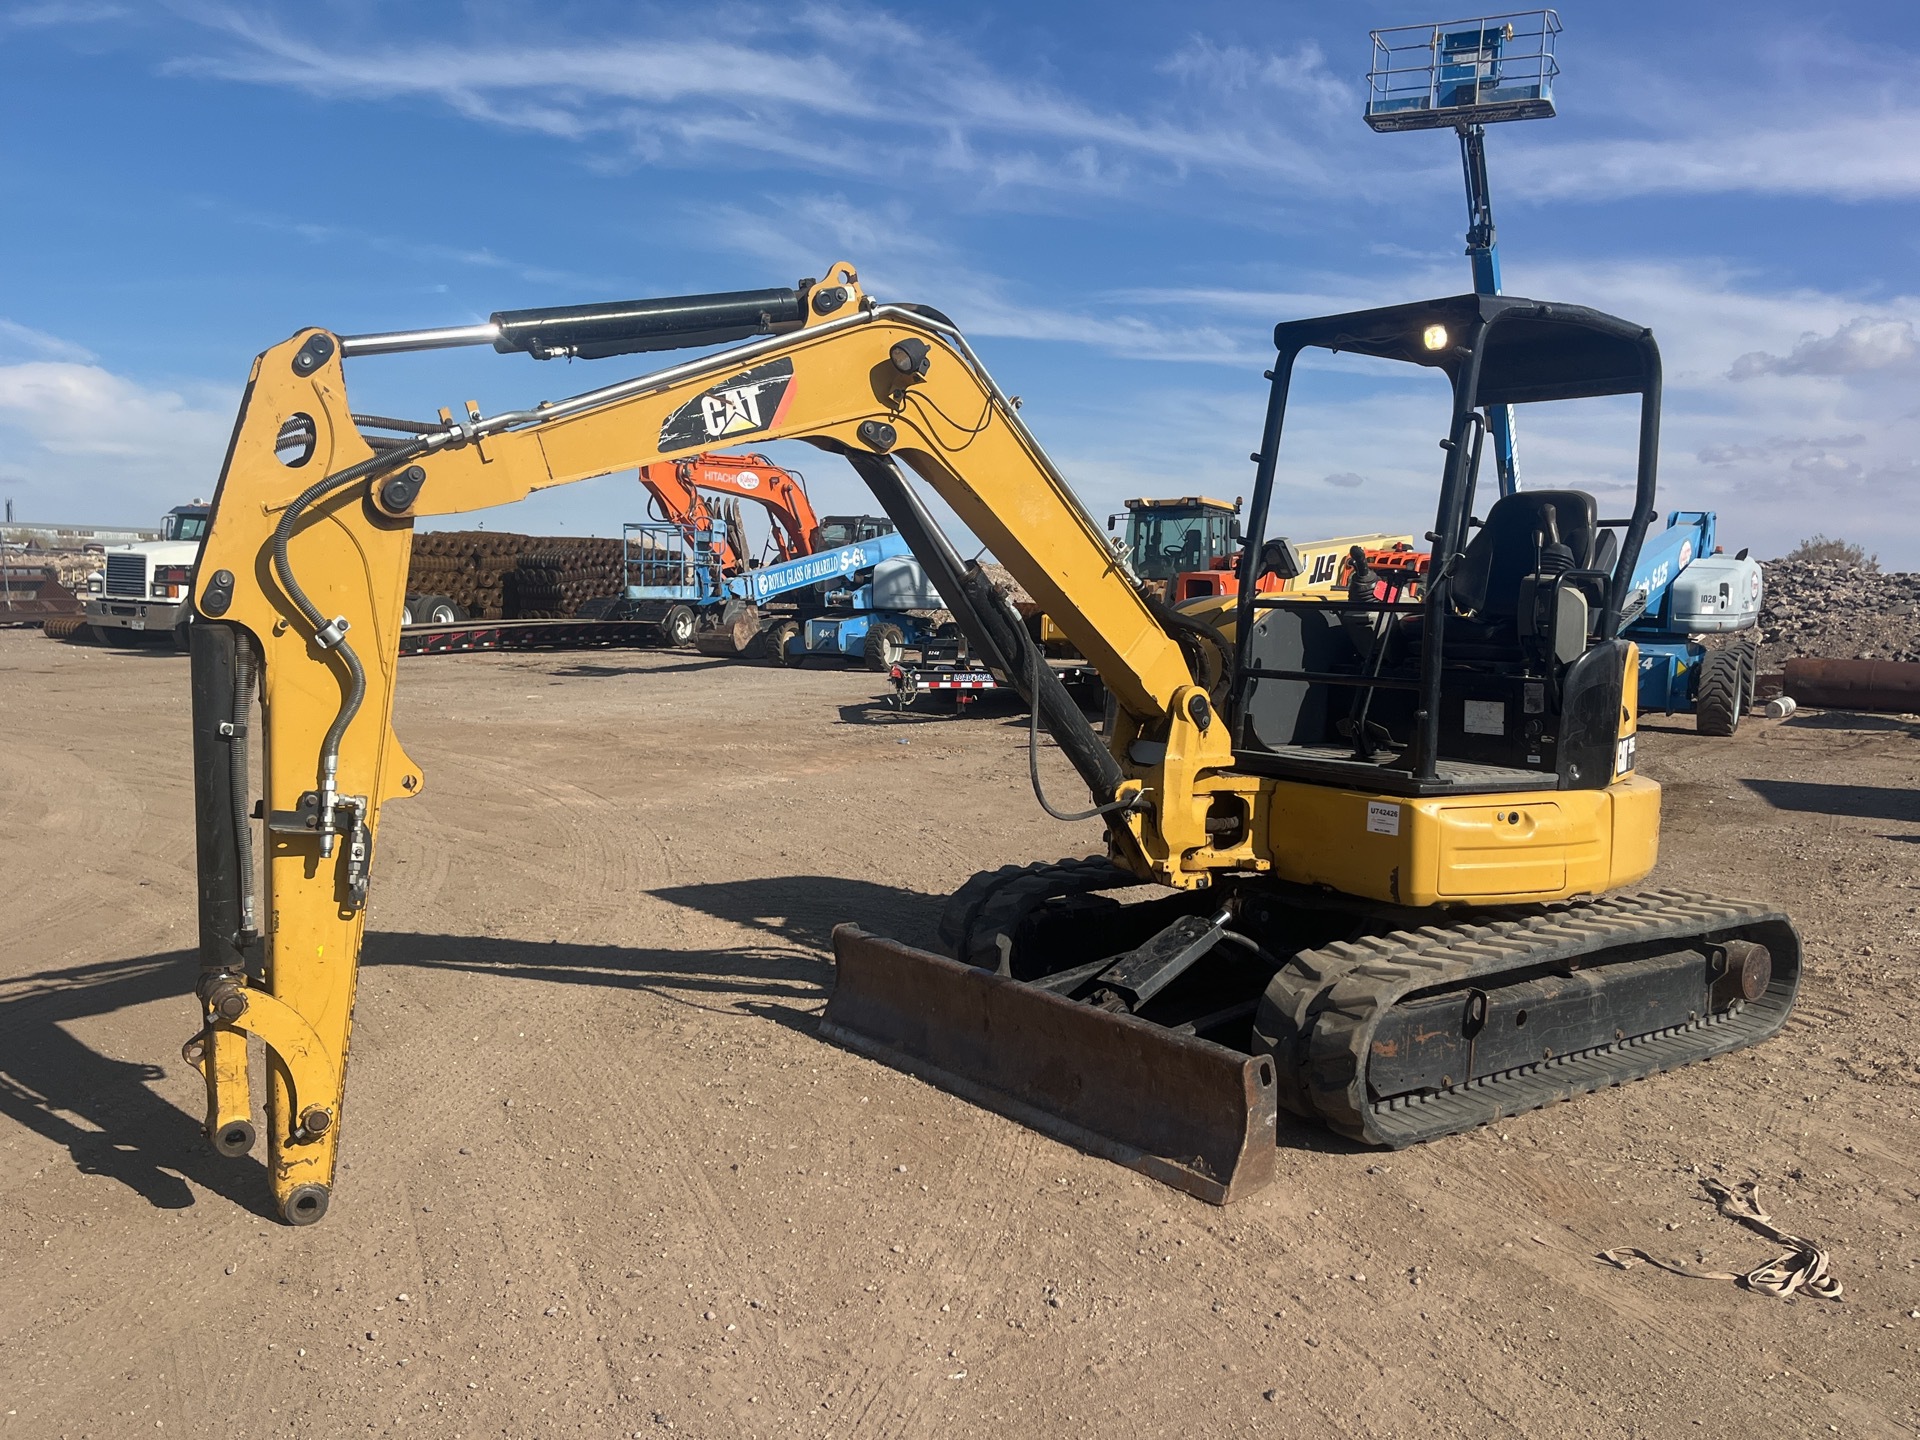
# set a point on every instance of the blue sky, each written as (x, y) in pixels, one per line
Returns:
(1115, 201)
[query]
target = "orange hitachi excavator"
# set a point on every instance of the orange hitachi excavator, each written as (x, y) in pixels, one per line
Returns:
(680, 488)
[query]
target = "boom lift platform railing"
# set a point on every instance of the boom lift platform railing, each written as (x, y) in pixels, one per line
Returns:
(1464, 72)
(1465, 75)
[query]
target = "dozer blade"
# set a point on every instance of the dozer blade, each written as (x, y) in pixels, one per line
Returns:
(1184, 1111)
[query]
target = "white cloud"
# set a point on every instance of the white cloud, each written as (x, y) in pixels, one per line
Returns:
(17, 339)
(1845, 465)
(1849, 460)
(787, 86)
(899, 262)
(792, 89)
(1825, 464)
(1301, 73)
(79, 442)
(337, 236)
(1865, 155)
(1775, 445)
(1862, 344)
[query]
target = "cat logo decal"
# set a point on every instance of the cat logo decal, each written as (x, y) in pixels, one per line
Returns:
(744, 404)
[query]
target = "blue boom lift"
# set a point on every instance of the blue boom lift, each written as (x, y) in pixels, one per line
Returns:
(864, 596)
(863, 592)
(1683, 587)
(1464, 75)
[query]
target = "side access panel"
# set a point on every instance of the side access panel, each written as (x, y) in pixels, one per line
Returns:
(1532, 846)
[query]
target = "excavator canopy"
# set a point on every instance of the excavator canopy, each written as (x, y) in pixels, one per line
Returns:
(1527, 350)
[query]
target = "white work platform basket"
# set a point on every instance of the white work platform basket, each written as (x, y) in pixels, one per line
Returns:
(1463, 72)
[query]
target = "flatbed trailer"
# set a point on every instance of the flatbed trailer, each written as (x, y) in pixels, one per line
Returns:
(964, 682)
(465, 635)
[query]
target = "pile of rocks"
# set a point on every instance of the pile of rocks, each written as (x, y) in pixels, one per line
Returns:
(1829, 610)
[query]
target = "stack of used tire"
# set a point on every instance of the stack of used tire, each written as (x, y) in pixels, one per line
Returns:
(553, 584)
(496, 576)
(466, 567)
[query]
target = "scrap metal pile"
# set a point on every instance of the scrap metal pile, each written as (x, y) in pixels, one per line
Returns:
(31, 593)
(71, 567)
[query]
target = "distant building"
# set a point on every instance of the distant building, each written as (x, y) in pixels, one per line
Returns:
(50, 535)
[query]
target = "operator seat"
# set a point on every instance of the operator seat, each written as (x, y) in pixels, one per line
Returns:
(1486, 588)
(1189, 556)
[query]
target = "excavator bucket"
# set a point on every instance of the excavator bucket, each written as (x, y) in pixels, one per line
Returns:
(1182, 1110)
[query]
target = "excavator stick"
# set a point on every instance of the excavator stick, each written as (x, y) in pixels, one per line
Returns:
(1185, 1111)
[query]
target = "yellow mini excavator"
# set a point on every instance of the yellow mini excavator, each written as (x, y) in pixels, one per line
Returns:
(1361, 853)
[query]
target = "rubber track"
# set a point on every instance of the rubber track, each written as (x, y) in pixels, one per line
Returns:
(1321, 1011)
(994, 902)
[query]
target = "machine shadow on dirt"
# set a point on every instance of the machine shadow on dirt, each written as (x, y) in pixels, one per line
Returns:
(50, 1079)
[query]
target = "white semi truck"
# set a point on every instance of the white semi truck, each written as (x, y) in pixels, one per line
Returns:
(143, 589)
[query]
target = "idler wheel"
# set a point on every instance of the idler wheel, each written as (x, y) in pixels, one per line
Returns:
(1743, 970)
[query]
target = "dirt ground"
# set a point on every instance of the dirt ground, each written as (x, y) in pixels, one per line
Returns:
(601, 1177)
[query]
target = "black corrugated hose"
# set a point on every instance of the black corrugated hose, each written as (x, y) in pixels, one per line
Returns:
(357, 677)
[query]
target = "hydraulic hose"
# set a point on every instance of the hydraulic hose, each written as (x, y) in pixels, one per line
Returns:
(241, 782)
(331, 634)
(1125, 802)
(1177, 624)
(1186, 631)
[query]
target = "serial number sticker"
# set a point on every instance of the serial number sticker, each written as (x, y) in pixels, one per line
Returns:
(1383, 818)
(1485, 717)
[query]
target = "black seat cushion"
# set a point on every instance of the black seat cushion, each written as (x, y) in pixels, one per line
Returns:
(1502, 554)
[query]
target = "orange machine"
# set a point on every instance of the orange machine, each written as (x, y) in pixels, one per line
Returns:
(680, 488)
(1328, 570)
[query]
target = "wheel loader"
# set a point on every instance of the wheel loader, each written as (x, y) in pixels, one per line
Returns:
(1362, 856)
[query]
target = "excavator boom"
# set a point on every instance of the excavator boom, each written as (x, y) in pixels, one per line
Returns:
(300, 589)
(678, 487)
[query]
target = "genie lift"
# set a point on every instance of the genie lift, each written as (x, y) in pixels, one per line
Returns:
(1683, 587)
(856, 600)
(1467, 75)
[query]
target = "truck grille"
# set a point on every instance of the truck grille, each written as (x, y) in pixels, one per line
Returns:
(127, 575)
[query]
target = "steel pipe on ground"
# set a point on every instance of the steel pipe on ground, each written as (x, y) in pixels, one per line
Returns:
(1855, 684)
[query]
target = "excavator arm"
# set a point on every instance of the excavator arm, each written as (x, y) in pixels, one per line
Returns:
(678, 486)
(301, 584)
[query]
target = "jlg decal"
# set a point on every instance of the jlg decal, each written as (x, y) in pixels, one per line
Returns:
(751, 401)
(1325, 567)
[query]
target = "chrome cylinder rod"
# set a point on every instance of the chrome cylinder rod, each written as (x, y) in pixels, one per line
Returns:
(400, 342)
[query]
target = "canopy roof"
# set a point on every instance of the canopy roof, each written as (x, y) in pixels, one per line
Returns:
(1530, 350)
